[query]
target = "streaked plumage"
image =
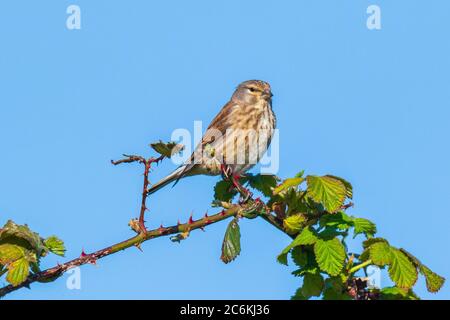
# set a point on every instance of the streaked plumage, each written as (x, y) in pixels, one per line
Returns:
(238, 136)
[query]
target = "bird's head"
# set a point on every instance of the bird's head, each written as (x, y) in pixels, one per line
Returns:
(252, 91)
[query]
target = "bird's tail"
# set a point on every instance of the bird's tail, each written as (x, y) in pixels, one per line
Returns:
(174, 176)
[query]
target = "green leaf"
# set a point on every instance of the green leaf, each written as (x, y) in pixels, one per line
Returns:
(367, 243)
(231, 246)
(401, 270)
(364, 226)
(329, 233)
(338, 220)
(328, 191)
(167, 149)
(306, 237)
(287, 184)
(282, 257)
(298, 295)
(300, 174)
(334, 290)
(330, 255)
(312, 285)
(380, 253)
(312, 269)
(10, 253)
(263, 183)
(21, 234)
(55, 245)
(299, 256)
(223, 191)
(294, 223)
(395, 293)
(18, 271)
(434, 281)
(348, 186)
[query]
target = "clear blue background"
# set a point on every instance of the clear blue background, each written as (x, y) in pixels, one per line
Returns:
(371, 106)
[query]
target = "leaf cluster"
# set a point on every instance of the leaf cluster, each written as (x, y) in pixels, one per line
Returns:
(313, 211)
(21, 251)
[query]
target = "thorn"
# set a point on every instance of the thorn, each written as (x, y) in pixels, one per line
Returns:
(161, 228)
(191, 220)
(206, 214)
(83, 254)
(222, 213)
(138, 245)
(202, 228)
(178, 222)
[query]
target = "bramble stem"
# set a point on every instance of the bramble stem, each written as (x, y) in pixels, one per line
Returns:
(360, 266)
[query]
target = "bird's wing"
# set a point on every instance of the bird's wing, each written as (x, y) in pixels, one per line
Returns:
(221, 122)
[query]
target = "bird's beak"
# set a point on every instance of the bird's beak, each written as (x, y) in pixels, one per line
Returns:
(267, 94)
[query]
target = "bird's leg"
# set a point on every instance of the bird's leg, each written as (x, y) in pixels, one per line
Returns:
(227, 174)
(246, 194)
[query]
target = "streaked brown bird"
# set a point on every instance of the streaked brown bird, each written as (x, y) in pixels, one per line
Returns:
(235, 140)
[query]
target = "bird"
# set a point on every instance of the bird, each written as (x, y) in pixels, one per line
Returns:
(236, 138)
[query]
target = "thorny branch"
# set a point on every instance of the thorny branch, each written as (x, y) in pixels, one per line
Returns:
(140, 226)
(251, 208)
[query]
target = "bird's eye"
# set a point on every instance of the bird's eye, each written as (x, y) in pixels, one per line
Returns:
(252, 89)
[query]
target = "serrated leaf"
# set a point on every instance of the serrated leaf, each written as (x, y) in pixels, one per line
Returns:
(282, 257)
(334, 290)
(299, 256)
(263, 183)
(10, 253)
(55, 245)
(330, 255)
(306, 237)
(330, 232)
(298, 295)
(12, 232)
(367, 243)
(328, 191)
(365, 255)
(294, 223)
(231, 246)
(312, 285)
(18, 271)
(339, 220)
(287, 184)
(434, 281)
(312, 269)
(223, 191)
(364, 226)
(401, 270)
(380, 253)
(167, 149)
(348, 186)
(394, 293)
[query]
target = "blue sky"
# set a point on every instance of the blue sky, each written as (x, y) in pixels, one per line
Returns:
(370, 106)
